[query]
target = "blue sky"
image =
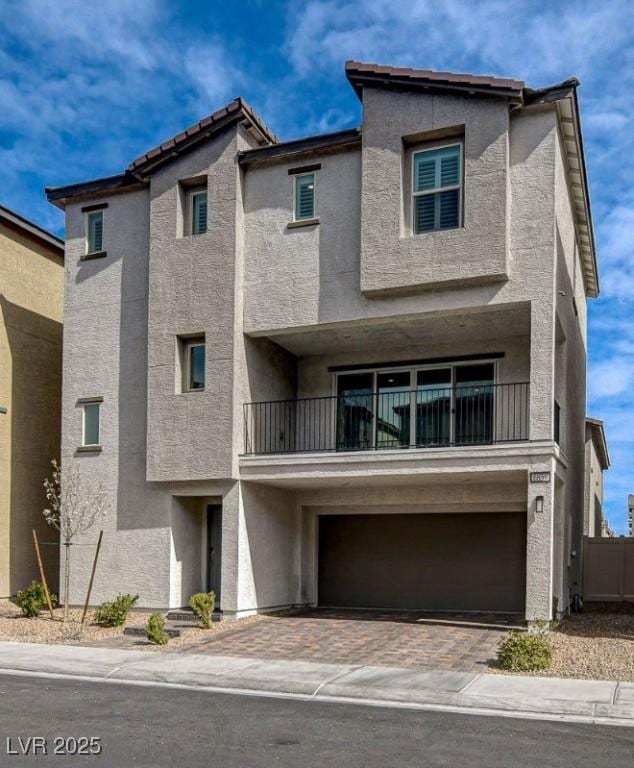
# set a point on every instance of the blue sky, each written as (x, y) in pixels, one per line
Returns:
(86, 87)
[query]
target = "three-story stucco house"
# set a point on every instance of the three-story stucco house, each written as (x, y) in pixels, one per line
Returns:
(345, 370)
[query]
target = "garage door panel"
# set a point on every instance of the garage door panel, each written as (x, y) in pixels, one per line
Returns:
(433, 562)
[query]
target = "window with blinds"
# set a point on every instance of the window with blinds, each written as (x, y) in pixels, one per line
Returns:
(304, 196)
(198, 212)
(437, 188)
(95, 232)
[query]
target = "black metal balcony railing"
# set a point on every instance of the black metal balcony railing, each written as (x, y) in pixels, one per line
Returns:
(423, 418)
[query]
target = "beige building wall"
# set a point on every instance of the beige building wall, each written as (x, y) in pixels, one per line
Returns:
(31, 308)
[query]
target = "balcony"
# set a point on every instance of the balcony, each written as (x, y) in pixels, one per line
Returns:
(426, 417)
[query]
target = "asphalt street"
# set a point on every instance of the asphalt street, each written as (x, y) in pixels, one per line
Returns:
(153, 726)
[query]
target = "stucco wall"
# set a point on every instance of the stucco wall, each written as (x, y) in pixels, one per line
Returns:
(296, 279)
(187, 553)
(191, 290)
(391, 257)
(570, 376)
(261, 549)
(105, 354)
(31, 309)
(315, 380)
(593, 487)
(250, 274)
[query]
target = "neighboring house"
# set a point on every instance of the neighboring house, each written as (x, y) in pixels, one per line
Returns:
(31, 308)
(344, 370)
(597, 462)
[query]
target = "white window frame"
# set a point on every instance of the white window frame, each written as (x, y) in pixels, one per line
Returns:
(188, 345)
(102, 212)
(435, 191)
(296, 178)
(191, 194)
(85, 405)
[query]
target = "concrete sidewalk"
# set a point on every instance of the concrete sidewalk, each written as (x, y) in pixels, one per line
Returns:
(592, 701)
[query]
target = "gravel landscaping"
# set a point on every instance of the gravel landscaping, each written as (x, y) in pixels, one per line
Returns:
(14, 626)
(598, 646)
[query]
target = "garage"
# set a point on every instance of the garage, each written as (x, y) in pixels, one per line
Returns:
(443, 562)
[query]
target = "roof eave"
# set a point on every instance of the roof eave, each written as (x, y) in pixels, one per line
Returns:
(600, 441)
(564, 97)
(359, 81)
(322, 143)
(108, 185)
(17, 222)
(360, 74)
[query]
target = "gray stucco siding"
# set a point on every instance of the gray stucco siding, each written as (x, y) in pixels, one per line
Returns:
(191, 290)
(291, 275)
(105, 354)
(391, 256)
(360, 289)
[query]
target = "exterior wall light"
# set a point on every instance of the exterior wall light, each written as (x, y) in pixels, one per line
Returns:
(539, 504)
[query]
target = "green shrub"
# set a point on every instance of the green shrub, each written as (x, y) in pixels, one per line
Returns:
(203, 604)
(523, 652)
(32, 599)
(114, 613)
(155, 630)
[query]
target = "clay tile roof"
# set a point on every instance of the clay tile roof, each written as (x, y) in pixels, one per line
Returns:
(237, 109)
(359, 73)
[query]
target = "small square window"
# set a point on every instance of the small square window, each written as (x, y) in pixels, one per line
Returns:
(94, 233)
(437, 189)
(91, 424)
(304, 196)
(198, 212)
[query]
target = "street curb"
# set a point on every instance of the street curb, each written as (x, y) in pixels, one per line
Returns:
(482, 711)
(582, 701)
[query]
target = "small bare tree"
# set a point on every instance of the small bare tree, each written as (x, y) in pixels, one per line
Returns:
(72, 511)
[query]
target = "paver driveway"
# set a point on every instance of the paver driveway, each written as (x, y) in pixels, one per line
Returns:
(417, 641)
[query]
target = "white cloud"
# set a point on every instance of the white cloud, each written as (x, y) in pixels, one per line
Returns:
(122, 28)
(510, 38)
(96, 87)
(616, 240)
(611, 377)
(606, 121)
(216, 80)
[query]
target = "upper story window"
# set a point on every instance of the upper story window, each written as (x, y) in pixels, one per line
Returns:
(198, 211)
(91, 424)
(195, 365)
(437, 188)
(191, 354)
(94, 232)
(304, 196)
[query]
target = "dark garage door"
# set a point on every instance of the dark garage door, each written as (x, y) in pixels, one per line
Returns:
(471, 562)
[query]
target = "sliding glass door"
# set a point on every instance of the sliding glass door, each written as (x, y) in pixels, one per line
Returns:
(394, 396)
(473, 404)
(433, 406)
(451, 405)
(355, 411)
